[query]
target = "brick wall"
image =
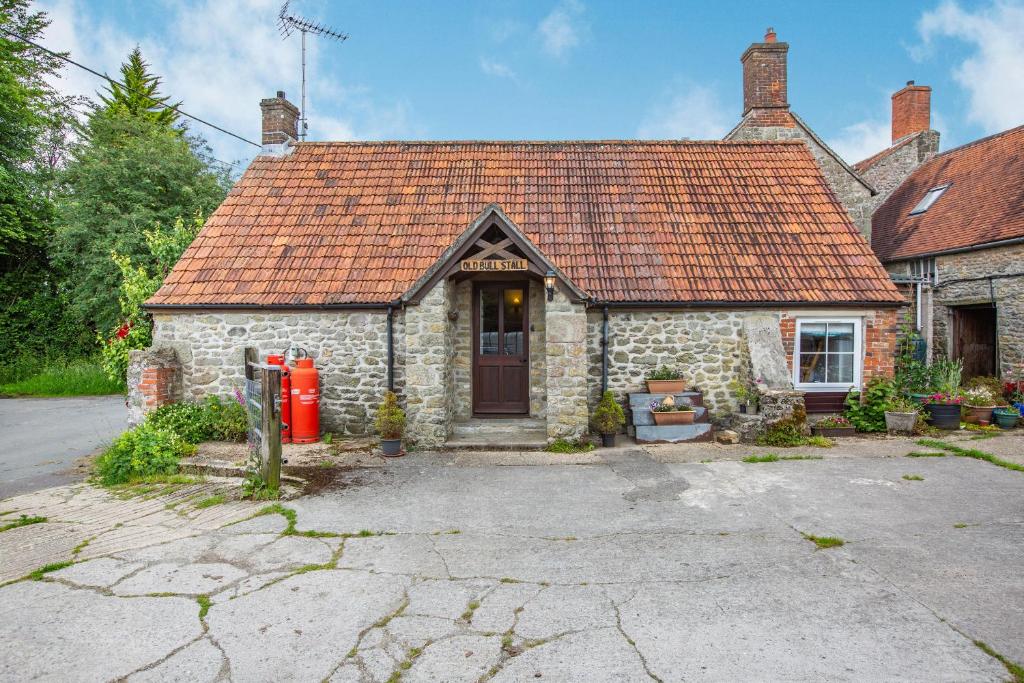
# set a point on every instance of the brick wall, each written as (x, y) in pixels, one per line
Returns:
(911, 110)
(764, 75)
(154, 379)
(879, 330)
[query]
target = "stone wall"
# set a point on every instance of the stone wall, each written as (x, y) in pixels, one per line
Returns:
(958, 286)
(429, 369)
(854, 196)
(566, 332)
(349, 348)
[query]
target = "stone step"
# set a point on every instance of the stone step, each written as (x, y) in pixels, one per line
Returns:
(499, 434)
(642, 415)
(673, 433)
(690, 397)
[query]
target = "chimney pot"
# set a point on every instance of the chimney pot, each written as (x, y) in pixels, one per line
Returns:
(280, 120)
(911, 110)
(769, 35)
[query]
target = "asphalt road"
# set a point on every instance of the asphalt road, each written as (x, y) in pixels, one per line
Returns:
(42, 438)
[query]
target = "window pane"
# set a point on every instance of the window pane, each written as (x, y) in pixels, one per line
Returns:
(513, 322)
(840, 368)
(812, 337)
(840, 337)
(488, 322)
(812, 367)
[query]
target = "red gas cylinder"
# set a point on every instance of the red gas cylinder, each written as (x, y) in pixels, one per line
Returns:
(305, 402)
(286, 396)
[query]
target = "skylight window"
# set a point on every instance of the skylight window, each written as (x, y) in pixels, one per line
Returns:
(930, 197)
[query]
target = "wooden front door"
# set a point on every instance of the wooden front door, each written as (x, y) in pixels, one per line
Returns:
(974, 340)
(501, 349)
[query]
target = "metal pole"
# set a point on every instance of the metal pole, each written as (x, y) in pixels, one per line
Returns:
(302, 133)
(604, 351)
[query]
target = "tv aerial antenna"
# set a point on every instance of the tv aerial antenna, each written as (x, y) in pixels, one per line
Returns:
(288, 23)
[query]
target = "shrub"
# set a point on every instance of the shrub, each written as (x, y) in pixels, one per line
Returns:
(785, 433)
(867, 412)
(142, 452)
(902, 404)
(228, 421)
(190, 421)
(390, 420)
(608, 416)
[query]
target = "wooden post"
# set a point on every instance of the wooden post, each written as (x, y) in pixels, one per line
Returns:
(270, 444)
(251, 359)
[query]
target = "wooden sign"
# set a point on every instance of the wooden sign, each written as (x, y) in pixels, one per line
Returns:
(481, 265)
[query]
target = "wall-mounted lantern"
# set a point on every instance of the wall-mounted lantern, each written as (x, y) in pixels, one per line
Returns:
(549, 284)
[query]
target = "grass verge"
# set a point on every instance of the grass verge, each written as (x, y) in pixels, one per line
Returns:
(824, 542)
(82, 377)
(970, 453)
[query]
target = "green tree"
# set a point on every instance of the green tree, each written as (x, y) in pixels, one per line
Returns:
(126, 173)
(139, 97)
(139, 281)
(33, 117)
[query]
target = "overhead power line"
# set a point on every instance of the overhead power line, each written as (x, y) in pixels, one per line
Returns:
(108, 78)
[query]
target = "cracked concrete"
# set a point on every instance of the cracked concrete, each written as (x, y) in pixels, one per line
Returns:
(626, 570)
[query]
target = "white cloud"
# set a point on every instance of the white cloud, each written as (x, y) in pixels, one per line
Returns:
(993, 75)
(686, 110)
(497, 69)
(220, 57)
(562, 29)
(860, 140)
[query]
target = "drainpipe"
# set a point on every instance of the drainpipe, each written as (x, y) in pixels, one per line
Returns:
(604, 351)
(391, 347)
(919, 304)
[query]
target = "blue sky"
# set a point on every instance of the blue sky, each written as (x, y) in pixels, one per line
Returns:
(557, 69)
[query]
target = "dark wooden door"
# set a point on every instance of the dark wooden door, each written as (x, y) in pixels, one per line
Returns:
(974, 340)
(501, 349)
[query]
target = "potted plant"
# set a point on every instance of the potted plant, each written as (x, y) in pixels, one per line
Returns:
(390, 424)
(745, 395)
(834, 425)
(901, 415)
(1006, 418)
(608, 418)
(666, 412)
(943, 407)
(665, 380)
(979, 404)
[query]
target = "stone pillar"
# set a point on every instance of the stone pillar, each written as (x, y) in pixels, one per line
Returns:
(566, 358)
(428, 369)
(154, 379)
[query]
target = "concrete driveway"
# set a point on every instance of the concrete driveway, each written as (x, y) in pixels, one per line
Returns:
(42, 438)
(630, 569)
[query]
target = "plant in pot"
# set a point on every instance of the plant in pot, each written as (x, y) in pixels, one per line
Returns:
(390, 424)
(901, 415)
(943, 407)
(608, 418)
(833, 425)
(666, 412)
(665, 380)
(1006, 418)
(746, 396)
(978, 405)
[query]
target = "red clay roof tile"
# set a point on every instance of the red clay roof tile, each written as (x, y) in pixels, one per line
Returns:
(631, 221)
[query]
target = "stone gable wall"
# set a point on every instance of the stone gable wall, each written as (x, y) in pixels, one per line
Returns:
(889, 173)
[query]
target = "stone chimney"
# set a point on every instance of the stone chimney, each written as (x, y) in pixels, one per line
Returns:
(280, 121)
(911, 110)
(764, 75)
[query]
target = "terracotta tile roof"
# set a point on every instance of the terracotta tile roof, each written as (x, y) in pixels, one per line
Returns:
(337, 223)
(984, 203)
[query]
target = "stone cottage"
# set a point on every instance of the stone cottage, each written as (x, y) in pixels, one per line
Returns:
(484, 280)
(953, 234)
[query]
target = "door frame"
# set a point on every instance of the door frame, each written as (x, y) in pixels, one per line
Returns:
(500, 285)
(957, 329)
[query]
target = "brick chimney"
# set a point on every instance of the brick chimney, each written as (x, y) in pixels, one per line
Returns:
(911, 110)
(280, 120)
(764, 75)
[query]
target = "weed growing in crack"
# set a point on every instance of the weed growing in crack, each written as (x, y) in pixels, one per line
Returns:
(971, 453)
(767, 457)
(925, 454)
(913, 477)
(960, 525)
(1014, 669)
(23, 520)
(824, 542)
(37, 575)
(81, 546)
(204, 605)
(470, 608)
(506, 579)
(210, 501)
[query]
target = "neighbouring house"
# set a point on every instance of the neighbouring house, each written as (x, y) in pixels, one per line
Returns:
(953, 234)
(485, 279)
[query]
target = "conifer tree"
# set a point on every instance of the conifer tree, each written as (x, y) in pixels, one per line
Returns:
(140, 95)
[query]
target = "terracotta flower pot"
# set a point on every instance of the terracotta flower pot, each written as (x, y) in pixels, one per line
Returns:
(676, 417)
(975, 414)
(665, 386)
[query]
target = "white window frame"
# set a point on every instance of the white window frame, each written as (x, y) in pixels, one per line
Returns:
(858, 356)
